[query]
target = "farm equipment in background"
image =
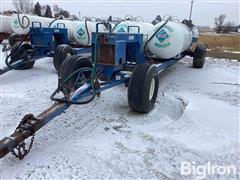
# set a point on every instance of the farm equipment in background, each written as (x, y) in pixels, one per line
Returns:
(44, 42)
(117, 58)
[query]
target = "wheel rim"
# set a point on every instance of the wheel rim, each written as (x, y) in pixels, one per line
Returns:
(152, 88)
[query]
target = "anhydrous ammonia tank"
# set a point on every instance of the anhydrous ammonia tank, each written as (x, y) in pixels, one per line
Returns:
(5, 23)
(147, 29)
(83, 32)
(21, 23)
(69, 25)
(172, 39)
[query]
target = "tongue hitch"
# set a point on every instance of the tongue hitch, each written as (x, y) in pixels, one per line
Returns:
(27, 128)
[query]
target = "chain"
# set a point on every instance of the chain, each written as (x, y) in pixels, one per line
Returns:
(21, 151)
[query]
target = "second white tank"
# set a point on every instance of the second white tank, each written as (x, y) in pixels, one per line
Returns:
(147, 29)
(83, 32)
(5, 23)
(69, 25)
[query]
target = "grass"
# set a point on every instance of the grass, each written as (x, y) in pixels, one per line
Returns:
(218, 44)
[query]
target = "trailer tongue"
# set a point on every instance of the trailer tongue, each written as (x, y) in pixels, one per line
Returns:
(27, 127)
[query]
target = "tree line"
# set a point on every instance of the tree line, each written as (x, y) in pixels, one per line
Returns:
(27, 6)
(222, 27)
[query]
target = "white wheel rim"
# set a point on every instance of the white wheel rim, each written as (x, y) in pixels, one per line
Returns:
(68, 55)
(152, 88)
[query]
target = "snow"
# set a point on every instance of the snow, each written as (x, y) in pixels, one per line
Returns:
(235, 52)
(196, 118)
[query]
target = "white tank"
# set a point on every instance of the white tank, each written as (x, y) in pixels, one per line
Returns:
(170, 40)
(26, 22)
(83, 35)
(5, 23)
(147, 29)
(70, 25)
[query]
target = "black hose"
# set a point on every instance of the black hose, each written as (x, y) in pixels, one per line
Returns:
(20, 43)
(21, 23)
(87, 32)
(93, 77)
(6, 60)
(52, 22)
(145, 46)
(117, 24)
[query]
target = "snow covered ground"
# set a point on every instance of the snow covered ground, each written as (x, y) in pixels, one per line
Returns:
(196, 118)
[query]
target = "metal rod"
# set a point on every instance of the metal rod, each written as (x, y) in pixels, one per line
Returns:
(13, 65)
(5, 69)
(190, 16)
(163, 66)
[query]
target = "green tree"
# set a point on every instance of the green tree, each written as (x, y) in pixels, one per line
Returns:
(37, 9)
(48, 12)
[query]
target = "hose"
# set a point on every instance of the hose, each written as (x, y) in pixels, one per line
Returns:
(117, 25)
(19, 44)
(87, 32)
(145, 46)
(6, 60)
(93, 77)
(52, 22)
(80, 70)
(21, 23)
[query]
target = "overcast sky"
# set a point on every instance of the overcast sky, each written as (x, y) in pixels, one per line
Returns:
(204, 11)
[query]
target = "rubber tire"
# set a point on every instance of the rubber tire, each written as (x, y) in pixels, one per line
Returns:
(60, 55)
(139, 88)
(70, 65)
(199, 56)
(17, 52)
(13, 39)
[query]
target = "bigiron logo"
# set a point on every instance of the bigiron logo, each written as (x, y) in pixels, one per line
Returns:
(162, 35)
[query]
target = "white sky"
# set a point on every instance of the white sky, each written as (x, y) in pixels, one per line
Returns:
(204, 11)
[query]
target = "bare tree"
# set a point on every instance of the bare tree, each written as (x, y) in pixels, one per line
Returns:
(219, 22)
(24, 6)
(229, 27)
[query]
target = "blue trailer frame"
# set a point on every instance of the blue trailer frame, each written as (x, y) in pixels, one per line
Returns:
(120, 44)
(44, 42)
